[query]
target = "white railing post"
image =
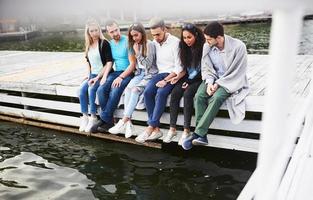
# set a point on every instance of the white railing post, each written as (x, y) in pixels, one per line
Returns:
(285, 35)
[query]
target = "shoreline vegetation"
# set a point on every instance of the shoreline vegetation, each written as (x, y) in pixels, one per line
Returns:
(254, 31)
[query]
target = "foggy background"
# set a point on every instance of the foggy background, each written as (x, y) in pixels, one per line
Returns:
(74, 13)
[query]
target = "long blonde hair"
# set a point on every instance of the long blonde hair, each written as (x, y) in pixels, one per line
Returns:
(88, 39)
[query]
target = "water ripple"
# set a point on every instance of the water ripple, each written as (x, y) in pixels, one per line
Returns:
(32, 177)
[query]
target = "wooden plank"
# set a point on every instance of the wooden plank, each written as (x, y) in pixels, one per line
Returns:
(253, 103)
(28, 87)
(216, 141)
(50, 104)
(251, 126)
(67, 90)
(41, 116)
(248, 126)
(75, 130)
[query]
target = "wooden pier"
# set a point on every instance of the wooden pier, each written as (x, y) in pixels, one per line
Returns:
(41, 88)
(18, 36)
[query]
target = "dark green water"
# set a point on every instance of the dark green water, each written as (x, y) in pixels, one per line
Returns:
(255, 35)
(37, 163)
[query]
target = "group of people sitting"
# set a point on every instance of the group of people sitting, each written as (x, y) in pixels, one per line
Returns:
(205, 68)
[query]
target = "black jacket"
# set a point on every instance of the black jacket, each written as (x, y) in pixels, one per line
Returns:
(105, 52)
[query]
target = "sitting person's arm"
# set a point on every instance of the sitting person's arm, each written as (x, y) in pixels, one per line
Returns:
(177, 77)
(130, 69)
(105, 72)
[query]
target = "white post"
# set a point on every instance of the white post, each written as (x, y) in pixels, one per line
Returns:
(272, 160)
(108, 14)
(135, 18)
(25, 95)
(122, 17)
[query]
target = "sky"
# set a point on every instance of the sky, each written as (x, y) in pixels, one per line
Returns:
(56, 9)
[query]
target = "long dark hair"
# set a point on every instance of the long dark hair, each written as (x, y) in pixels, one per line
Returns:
(191, 56)
(141, 29)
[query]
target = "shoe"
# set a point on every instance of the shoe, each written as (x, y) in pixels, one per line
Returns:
(155, 135)
(129, 130)
(104, 128)
(142, 137)
(94, 128)
(200, 141)
(187, 143)
(169, 136)
(183, 137)
(118, 128)
(91, 122)
(83, 123)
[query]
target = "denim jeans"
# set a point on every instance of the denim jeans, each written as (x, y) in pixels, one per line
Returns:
(88, 93)
(156, 98)
(109, 97)
(132, 95)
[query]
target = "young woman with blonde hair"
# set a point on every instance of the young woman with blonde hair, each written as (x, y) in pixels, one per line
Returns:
(99, 61)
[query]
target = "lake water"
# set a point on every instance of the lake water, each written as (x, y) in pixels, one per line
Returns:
(254, 35)
(37, 163)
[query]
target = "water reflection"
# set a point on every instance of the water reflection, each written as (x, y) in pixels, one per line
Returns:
(28, 176)
(118, 171)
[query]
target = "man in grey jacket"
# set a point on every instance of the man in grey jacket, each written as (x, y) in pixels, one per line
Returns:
(223, 68)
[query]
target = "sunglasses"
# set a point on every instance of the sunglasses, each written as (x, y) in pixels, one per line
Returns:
(188, 26)
(134, 25)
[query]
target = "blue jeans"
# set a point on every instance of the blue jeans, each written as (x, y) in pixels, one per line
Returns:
(109, 97)
(88, 93)
(156, 98)
(132, 95)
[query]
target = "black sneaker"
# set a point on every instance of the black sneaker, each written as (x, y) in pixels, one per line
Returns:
(104, 128)
(94, 128)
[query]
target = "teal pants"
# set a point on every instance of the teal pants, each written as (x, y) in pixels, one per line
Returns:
(207, 107)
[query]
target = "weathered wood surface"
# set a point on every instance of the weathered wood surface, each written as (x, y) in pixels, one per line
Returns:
(62, 72)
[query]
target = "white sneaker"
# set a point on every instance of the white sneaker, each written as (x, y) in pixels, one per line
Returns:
(183, 137)
(142, 137)
(170, 135)
(118, 128)
(91, 122)
(129, 129)
(83, 123)
(155, 135)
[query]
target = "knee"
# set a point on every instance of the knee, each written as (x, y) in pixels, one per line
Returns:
(175, 97)
(135, 90)
(148, 92)
(83, 91)
(162, 93)
(115, 92)
(92, 89)
(100, 91)
(188, 95)
(198, 97)
(217, 99)
(176, 92)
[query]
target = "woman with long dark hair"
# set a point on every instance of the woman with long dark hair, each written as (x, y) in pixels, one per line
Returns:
(190, 52)
(146, 68)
